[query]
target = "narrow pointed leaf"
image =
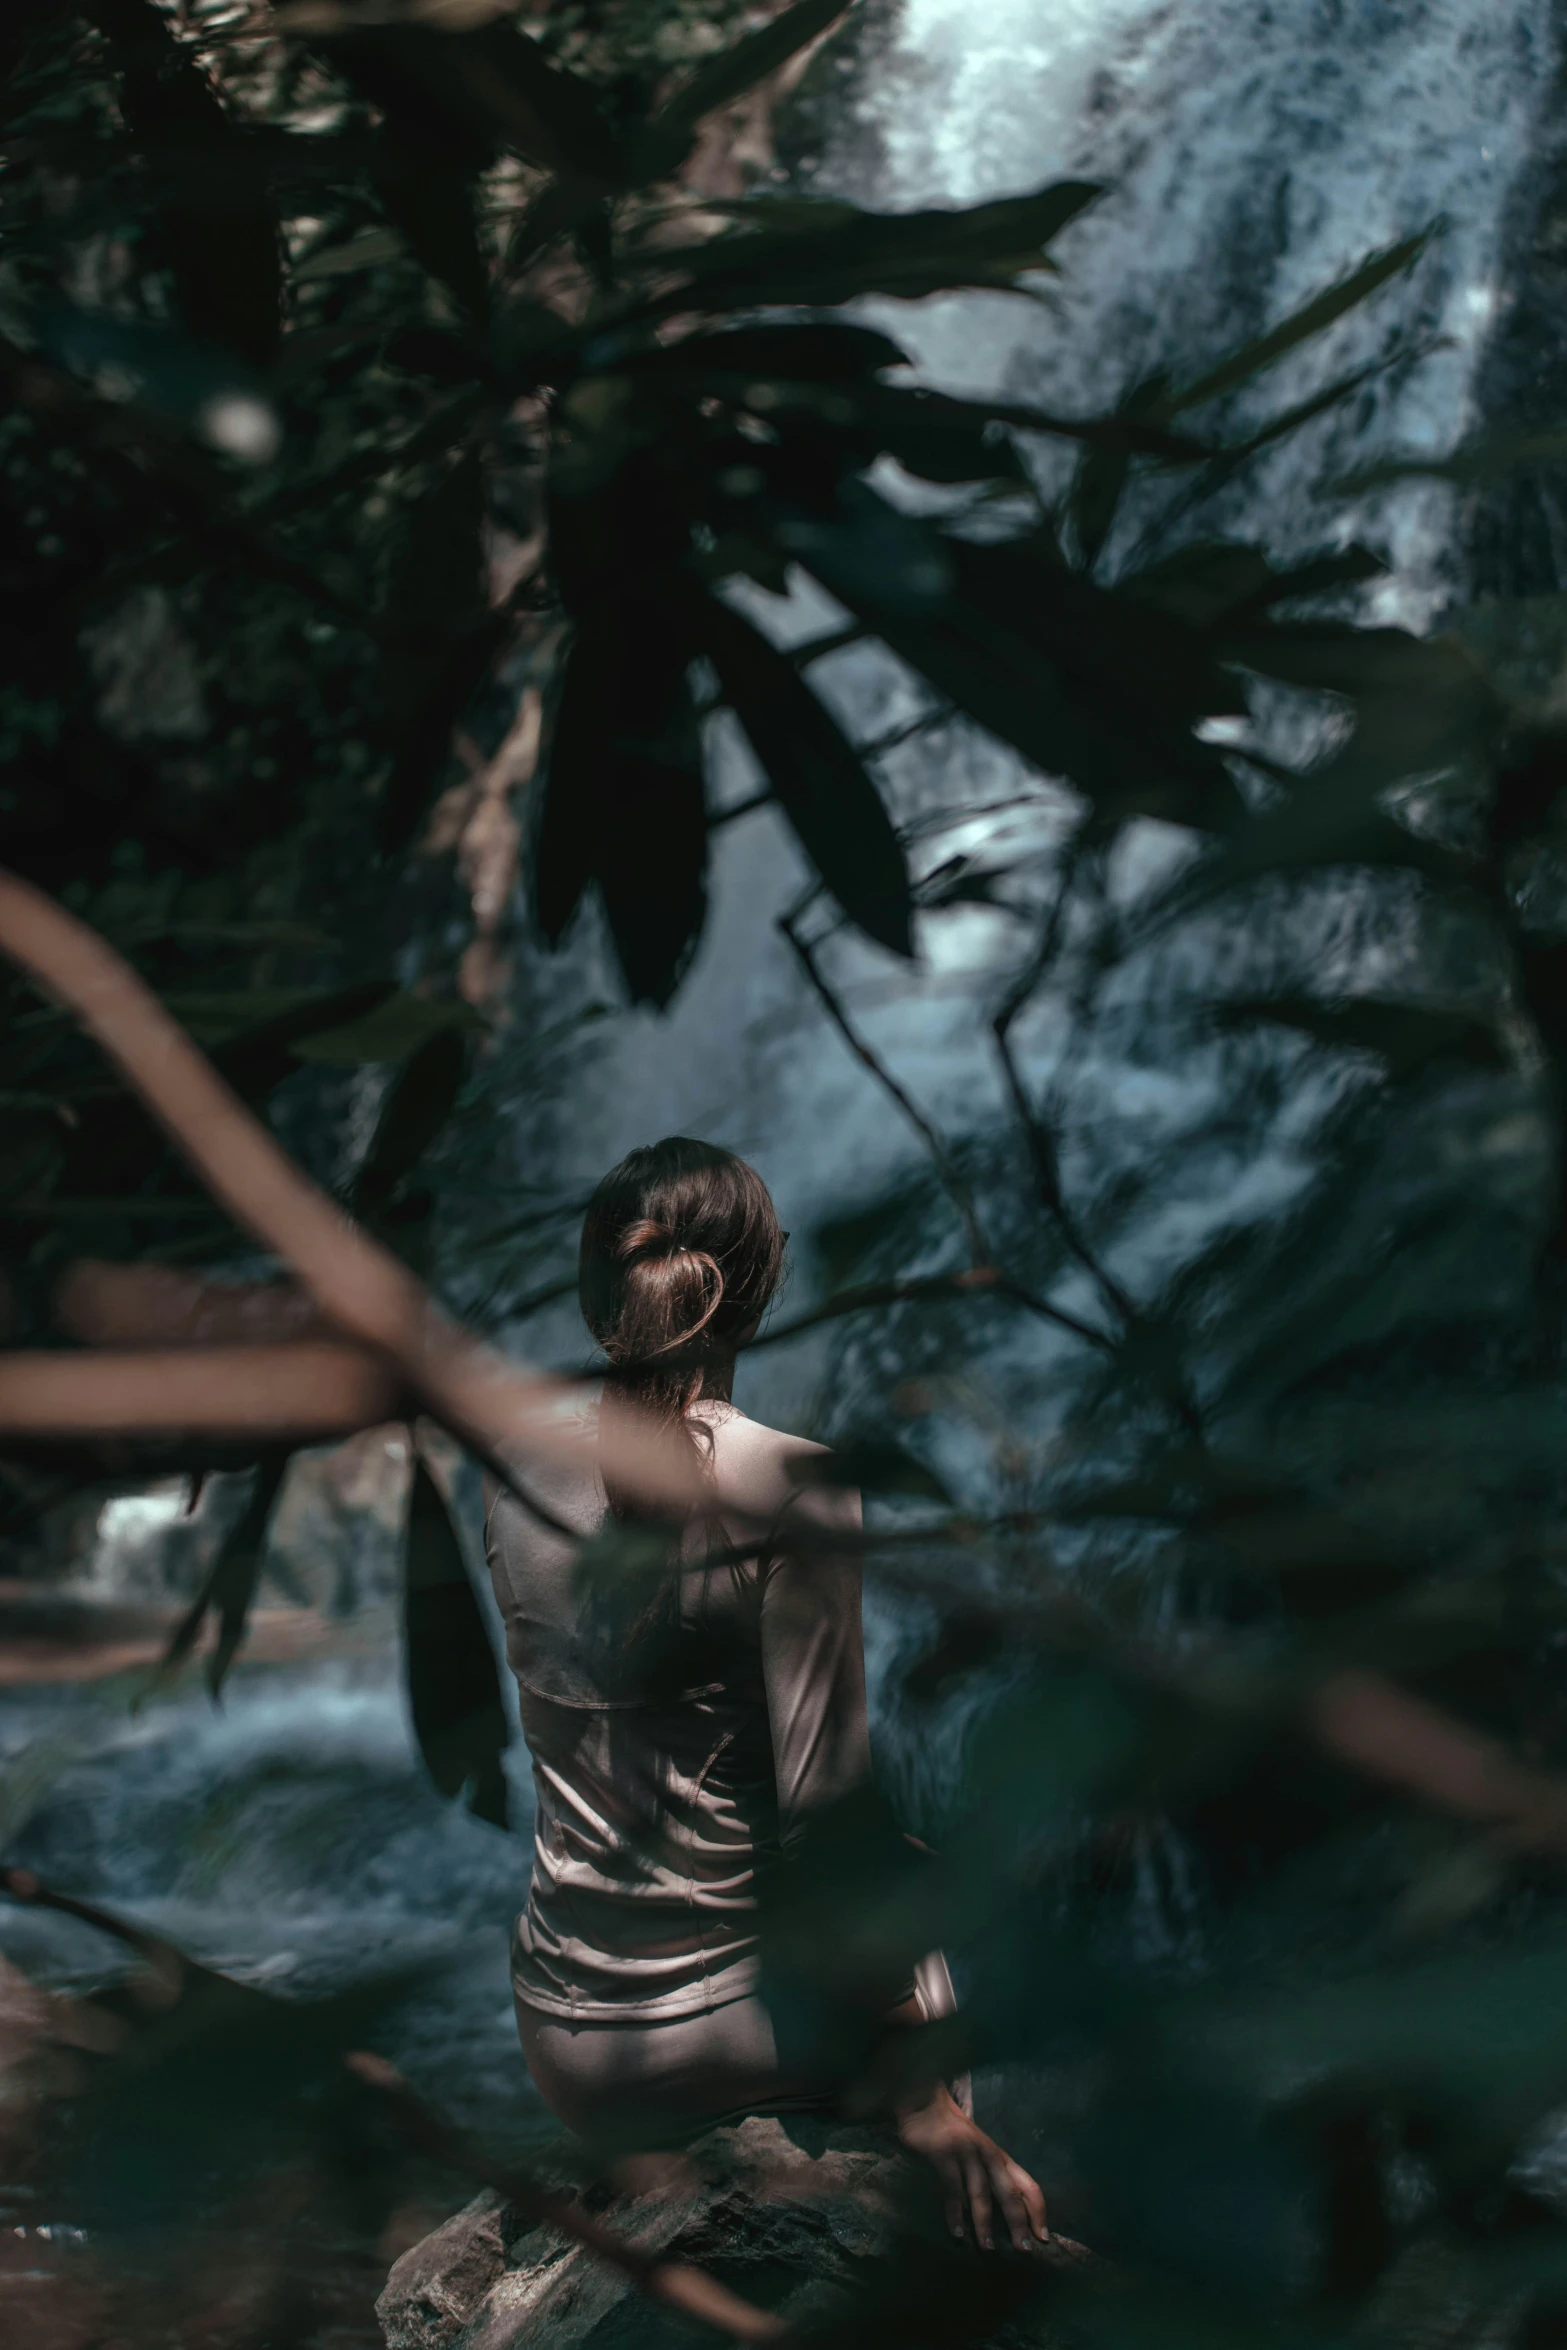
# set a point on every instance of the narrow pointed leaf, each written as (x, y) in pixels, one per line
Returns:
(907, 254)
(734, 71)
(224, 260)
(941, 439)
(418, 1103)
(624, 801)
(561, 866)
(453, 1682)
(1483, 460)
(1409, 1038)
(230, 1586)
(1323, 310)
(804, 351)
(397, 1029)
(829, 800)
(1103, 471)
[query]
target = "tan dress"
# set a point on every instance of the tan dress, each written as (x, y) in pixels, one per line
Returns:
(682, 1729)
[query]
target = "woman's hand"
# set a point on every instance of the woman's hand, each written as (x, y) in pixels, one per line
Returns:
(976, 2175)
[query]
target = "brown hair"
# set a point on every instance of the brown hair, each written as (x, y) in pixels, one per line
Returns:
(681, 1252)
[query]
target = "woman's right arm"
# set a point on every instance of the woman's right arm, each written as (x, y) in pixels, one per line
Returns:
(813, 1662)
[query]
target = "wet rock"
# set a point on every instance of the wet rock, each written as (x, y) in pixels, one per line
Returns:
(819, 2223)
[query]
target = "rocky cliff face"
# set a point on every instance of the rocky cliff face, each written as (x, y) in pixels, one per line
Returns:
(831, 2229)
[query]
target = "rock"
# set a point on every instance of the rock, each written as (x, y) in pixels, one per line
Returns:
(438, 2284)
(816, 2222)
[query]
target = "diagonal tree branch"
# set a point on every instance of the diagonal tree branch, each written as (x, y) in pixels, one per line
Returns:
(486, 1402)
(954, 1183)
(1039, 1135)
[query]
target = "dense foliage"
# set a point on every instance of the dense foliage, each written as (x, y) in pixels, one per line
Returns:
(369, 369)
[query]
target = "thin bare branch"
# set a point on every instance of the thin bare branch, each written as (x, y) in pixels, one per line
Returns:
(1380, 1730)
(952, 1180)
(310, 1393)
(487, 1403)
(979, 1280)
(983, 1267)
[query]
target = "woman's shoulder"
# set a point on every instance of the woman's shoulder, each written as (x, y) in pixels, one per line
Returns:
(756, 1468)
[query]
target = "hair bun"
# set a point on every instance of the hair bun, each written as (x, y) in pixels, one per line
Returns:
(645, 1238)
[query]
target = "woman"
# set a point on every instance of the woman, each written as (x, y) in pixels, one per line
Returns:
(685, 1719)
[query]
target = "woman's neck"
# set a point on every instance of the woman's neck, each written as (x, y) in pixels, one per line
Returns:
(718, 1380)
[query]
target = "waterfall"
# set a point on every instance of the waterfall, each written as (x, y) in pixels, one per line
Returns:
(1251, 155)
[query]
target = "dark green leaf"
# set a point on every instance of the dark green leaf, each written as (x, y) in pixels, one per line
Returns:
(1336, 657)
(908, 254)
(1321, 311)
(1483, 460)
(453, 1683)
(418, 1103)
(941, 439)
(1421, 703)
(624, 800)
(1103, 470)
(224, 259)
(1320, 575)
(1333, 819)
(466, 93)
(563, 843)
(1203, 583)
(863, 546)
(873, 1466)
(398, 1028)
(537, 108)
(429, 194)
(719, 80)
(1319, 403)
(368, 250)
(800, 351)
(1215, 582)
(830, 801)
(1041, 657)
(1408, 1037)
(261, 1056)
(1096, 492)
(230, 1587)
(438, 637)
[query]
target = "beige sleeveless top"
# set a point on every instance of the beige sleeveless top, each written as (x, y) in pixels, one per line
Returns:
(682, 1726)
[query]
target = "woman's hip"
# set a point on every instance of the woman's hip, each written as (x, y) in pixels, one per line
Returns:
(649, 2081)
